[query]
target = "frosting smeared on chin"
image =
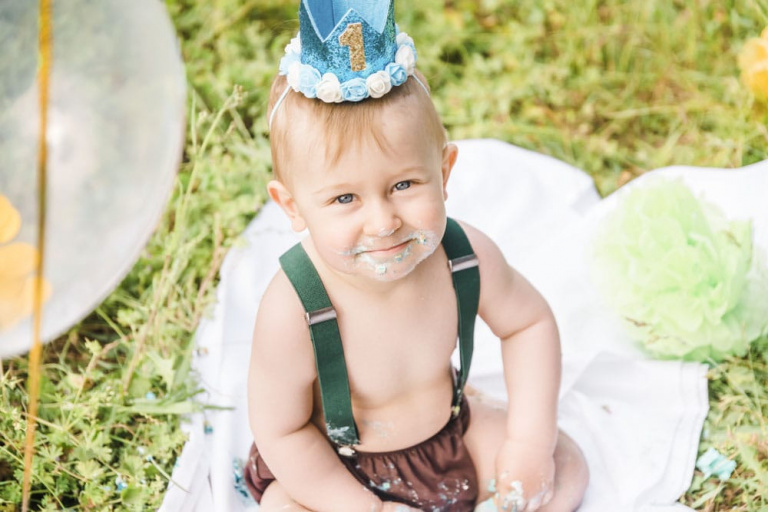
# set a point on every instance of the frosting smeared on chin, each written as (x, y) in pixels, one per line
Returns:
(386, 266)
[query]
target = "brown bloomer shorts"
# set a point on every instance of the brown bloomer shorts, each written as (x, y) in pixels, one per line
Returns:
(436, 475)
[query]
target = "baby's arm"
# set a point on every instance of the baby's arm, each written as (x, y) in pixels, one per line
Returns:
(280, 405)
(530, 347)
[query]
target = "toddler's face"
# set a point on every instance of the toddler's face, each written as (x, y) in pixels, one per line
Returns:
(375, 213)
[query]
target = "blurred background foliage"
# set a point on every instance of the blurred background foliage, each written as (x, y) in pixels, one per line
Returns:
(613, 87)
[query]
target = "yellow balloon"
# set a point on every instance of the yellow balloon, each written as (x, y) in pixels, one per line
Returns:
(115, 135)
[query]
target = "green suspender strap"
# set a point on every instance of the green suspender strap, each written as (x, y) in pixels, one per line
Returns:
(463, 264)
(326, 341)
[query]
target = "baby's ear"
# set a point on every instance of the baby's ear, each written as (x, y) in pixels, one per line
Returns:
(450, 153)
(283, 197)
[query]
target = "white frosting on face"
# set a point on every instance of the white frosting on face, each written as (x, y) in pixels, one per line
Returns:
(419, 245)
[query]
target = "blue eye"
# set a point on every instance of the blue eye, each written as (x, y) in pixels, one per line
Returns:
(344, 199)
(403, 185)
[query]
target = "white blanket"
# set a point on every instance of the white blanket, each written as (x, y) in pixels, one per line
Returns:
(637, 420)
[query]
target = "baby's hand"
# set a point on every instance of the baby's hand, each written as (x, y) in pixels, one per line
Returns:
(524, 477)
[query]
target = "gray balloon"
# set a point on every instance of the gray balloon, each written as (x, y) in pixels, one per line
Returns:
(115, 136)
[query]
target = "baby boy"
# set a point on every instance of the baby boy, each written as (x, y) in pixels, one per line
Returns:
(353, 401)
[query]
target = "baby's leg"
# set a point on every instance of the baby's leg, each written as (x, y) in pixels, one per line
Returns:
(276, 499)
(486, 432)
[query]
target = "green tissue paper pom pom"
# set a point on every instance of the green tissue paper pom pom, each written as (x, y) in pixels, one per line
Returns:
(688, 281)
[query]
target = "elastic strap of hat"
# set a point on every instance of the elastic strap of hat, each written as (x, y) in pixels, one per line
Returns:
(277, 105)
(421, 84)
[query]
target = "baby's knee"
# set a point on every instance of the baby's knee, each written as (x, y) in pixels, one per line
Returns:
(572, 457)
(571, 476)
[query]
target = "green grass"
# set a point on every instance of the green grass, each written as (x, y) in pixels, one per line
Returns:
(614, 87)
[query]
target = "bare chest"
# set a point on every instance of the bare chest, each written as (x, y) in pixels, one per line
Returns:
(395, 348)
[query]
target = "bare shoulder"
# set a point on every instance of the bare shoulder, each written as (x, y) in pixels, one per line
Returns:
(503, 289)
(282, 366)
(280, 335)
(493, 265)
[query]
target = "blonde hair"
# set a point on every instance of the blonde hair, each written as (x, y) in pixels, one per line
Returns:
(346, 123)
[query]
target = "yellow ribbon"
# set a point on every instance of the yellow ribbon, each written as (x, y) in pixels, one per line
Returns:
(35, 354)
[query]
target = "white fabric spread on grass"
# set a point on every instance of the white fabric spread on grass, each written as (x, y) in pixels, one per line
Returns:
(637, 420)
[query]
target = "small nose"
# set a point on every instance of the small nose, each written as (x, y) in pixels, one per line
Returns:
(381, 220)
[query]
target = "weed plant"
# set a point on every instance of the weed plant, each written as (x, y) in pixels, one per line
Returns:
(614, 87)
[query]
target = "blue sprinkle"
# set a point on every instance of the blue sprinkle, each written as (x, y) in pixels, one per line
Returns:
(237, 467)
(486, 506)
(713, 462)
(150, 396)
(239, 483)
(207, 428)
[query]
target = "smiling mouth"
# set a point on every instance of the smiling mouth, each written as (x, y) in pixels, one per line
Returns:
(390, 250)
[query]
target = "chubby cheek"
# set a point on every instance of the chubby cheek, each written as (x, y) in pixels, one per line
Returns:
(335, 247)
(430, 216)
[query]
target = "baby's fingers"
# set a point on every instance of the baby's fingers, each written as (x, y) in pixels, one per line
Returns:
(539, 500)
(511, 499)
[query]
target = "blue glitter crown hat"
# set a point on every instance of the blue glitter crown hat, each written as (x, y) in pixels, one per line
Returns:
(351, 39)
(347, 50)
